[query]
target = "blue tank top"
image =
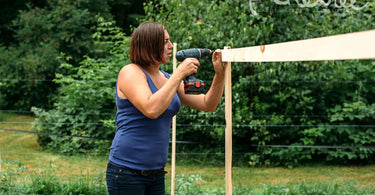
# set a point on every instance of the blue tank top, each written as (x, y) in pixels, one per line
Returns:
(142, 143)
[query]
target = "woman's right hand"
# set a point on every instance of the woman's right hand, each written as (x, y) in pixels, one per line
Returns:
(188, 67)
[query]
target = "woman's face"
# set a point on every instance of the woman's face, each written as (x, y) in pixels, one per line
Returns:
(167, 48)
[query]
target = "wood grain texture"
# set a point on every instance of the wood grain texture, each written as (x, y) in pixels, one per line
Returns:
(358, 45)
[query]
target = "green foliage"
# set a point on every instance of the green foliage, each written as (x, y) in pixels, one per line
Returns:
(9, 169)
(294, 103)
(29, 65)
(186, 184)
(189, 184)
(8, 14)
(26, 72)
(45, 183)
(85, 101)
(328, 103)
(126, 13)
(316, 188)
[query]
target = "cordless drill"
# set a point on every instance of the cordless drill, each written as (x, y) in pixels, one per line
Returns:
(193, 85)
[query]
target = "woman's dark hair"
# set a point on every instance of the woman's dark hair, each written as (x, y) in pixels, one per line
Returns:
(147, 44)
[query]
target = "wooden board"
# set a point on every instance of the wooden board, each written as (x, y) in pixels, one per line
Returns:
(358, 45)
(228, 128)
(174, 124)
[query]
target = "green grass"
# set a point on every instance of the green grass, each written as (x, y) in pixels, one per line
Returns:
(26, 169)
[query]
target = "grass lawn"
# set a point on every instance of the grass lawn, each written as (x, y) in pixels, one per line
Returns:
(23, 147)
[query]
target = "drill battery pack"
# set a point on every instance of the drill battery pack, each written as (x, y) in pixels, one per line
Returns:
(193, 85)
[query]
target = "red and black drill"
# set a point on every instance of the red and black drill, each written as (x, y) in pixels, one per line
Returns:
(191, 83)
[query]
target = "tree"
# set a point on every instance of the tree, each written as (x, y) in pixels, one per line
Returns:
(9, 10)
(278, 103)
(29, 66)
(127, 13)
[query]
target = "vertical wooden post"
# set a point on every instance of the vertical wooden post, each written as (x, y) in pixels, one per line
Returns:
(173, 174)
(228, 128)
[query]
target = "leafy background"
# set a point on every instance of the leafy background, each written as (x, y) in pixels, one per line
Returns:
(328, 103)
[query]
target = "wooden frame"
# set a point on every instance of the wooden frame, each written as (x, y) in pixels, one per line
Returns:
(359, 45)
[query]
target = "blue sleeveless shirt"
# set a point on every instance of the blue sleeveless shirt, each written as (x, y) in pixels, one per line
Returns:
(142, 143)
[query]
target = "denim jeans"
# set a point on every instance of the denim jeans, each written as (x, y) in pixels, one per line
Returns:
(123, 181)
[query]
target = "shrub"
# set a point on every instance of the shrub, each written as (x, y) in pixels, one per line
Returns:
(85, 103)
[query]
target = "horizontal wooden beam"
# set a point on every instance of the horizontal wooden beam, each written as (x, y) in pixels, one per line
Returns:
(358, 45)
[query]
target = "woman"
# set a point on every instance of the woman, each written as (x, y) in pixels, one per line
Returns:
(147, 99)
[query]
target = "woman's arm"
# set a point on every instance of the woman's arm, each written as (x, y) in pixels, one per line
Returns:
(211, 99)
(132, 84)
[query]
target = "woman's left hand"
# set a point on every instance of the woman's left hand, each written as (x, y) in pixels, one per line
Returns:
(219, 65)
(211, 99)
